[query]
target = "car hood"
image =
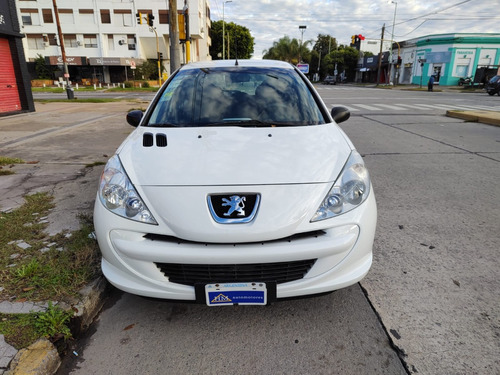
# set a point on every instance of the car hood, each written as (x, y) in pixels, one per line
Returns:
(214, 156)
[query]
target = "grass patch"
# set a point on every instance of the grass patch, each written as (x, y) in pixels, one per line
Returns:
(4, 160)
(21, 330)
(95, 164)
(120, 89)
(37, 267)
(85, 100)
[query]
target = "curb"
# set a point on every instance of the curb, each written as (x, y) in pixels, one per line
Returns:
(41, 357)
(486, 117)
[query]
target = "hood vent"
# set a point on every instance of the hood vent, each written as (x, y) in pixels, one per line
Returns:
(148, 140)
(161, 140)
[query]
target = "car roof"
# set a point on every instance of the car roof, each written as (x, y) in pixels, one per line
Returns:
(242, 63)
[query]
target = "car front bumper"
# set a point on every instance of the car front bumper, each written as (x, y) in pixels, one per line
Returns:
(340, 253)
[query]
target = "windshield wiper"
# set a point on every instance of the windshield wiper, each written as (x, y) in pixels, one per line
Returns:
(243, 122)
(164, 125)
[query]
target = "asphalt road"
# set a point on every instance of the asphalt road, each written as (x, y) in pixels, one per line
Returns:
(433, 290)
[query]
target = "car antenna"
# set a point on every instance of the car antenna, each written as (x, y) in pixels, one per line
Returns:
(236, 52)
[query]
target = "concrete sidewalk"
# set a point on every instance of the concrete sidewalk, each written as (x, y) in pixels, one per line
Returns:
(485, 117)
(58, 142)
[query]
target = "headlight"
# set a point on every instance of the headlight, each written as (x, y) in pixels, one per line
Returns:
(118, 195)
(349, 191)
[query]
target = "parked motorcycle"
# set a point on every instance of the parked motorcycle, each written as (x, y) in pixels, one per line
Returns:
(467, 81)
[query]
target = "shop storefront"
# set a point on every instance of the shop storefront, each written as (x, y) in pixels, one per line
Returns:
(453, 56)
(15, 90)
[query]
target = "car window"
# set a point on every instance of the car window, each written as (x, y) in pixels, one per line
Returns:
(238, 95)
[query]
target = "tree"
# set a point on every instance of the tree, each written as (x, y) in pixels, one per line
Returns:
(289, 50)
(325, 44)
(43, 71)
(238, 38)
(343, 59)
(149, 70)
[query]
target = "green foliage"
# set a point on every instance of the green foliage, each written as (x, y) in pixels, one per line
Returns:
(325, 44)
(289, 50)
(53, 322)
(128, 84)
(43, 71)
(4, 160)
(27, 271)
(145, 84)
(238, 38)
(19, 329)
(149, 70)
(60, 270)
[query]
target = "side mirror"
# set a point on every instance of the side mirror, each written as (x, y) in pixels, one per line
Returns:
(134, 117)
(340, 114)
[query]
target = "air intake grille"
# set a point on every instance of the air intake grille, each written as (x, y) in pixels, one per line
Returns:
(191, 274)
(161, 140)
(147, 140)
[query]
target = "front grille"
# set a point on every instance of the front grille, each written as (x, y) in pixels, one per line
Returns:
(191, 274)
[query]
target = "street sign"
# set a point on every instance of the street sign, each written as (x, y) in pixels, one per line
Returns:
(304, 68)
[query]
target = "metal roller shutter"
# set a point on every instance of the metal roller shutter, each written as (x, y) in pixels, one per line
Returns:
(9, 93)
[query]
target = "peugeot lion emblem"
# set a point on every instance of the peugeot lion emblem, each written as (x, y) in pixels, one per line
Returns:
(235, 203)
(233, 208)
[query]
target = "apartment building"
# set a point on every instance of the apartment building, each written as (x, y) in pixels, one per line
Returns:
(104, 40)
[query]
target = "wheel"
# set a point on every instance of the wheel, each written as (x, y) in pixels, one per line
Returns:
(460, 83)
(491, 93)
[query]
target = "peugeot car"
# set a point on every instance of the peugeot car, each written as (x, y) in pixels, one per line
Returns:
(236, 187)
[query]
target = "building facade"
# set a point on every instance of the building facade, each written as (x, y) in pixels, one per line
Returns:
(15, 89)
(105, 41)
(449, 57)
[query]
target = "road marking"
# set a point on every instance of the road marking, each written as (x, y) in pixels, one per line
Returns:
(392, 106)
(368, 107)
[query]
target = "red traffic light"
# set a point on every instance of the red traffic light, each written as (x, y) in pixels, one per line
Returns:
(361, 37)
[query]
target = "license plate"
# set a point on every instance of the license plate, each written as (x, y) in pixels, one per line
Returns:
(236, 294)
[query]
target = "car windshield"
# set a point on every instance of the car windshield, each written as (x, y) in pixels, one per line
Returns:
(241, 96)
(494, 79)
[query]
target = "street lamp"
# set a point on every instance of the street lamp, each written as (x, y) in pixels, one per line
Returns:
(392, 39)
(302, 30)
(223, 29)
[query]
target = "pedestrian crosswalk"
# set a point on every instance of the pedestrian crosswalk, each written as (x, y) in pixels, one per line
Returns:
(402, 107)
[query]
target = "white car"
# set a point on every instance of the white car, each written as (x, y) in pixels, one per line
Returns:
(237, 187)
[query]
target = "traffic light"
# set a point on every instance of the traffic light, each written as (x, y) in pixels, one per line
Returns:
(353, 40)
(181, 21)
(139, 18)
(160, 56)
(361, 37)
(150, 19)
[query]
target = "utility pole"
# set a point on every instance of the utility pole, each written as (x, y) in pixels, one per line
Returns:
(380, 55)
(173, 31)
(69, 90)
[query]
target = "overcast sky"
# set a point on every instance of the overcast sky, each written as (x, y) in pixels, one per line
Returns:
(270, 20)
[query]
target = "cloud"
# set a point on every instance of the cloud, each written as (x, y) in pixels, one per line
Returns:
(270, 20)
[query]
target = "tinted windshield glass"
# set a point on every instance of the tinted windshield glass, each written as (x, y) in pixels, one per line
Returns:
(494, 79)
(236, 96)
